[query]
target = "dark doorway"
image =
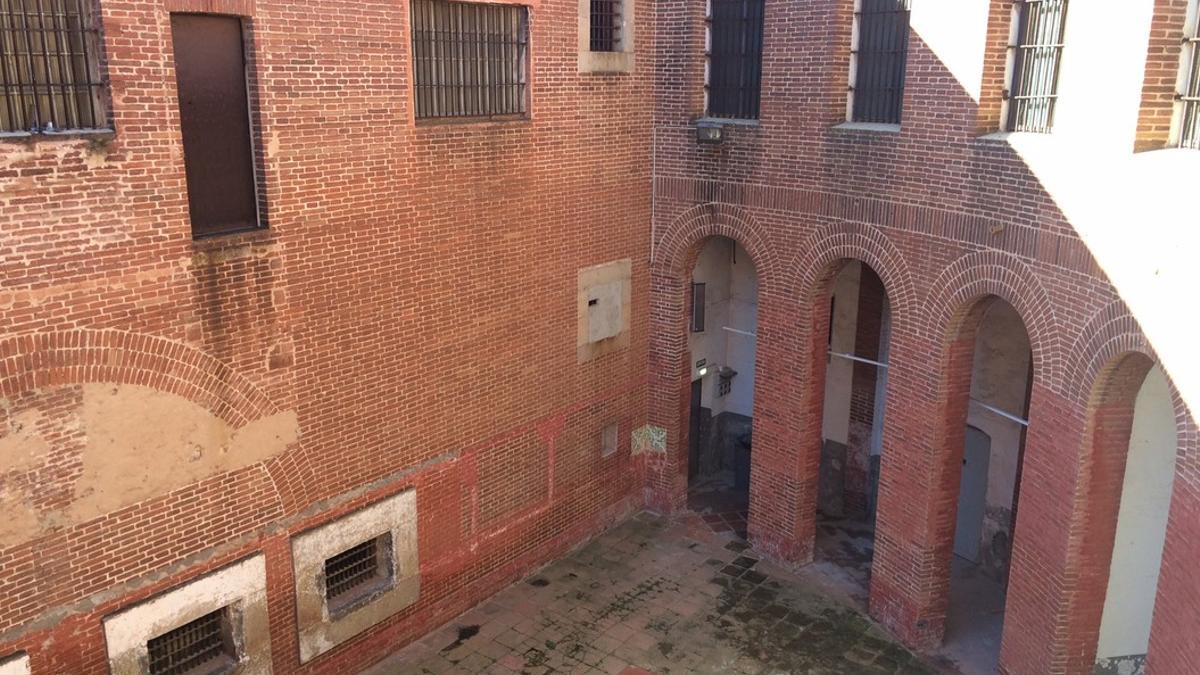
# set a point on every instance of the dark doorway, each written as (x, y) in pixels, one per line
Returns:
(694, 428)
(214, 118)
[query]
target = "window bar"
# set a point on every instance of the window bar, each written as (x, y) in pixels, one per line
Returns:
(66, 73)
(34, 115)
(89, 32)
(1189, 133)
(7, 38)
(1034, 87)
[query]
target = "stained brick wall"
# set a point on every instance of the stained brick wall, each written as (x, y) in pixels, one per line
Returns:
(412, 304)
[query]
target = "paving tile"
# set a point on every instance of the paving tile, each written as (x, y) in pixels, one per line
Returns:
(658, 594)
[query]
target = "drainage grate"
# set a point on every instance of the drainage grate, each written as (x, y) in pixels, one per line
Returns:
(356, 569)
(200, 647)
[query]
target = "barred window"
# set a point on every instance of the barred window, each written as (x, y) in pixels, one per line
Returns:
(606, 26)
(199, 647)
(1033, 85)
(735, 29)
(469, 60)
(358, 574)
(50, 66)
(1189, 93)
(880, 52)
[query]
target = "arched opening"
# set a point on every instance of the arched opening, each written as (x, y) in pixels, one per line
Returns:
(1134, 433)
(722, 343)
(990, 440)
(852, 424)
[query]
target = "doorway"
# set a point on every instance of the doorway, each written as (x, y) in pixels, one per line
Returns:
(722, 343)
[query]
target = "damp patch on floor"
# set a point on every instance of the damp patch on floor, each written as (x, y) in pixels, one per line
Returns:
(668, 596)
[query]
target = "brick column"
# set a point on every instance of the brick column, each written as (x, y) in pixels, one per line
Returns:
(669, 374)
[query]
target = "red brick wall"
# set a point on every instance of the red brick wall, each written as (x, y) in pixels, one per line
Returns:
(947, 220)
(413, 302)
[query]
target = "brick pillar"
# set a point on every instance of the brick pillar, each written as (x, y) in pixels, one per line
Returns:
(666, 468)
(787, 427)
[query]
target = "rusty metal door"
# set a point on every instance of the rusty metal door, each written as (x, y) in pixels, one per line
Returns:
(214, 116)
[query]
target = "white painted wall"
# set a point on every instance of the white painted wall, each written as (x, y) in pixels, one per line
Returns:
(1142, 525)
(731, 300)
(839, 372)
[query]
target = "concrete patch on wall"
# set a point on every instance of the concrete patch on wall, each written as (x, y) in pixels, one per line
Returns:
(319, 629)
(1122, 665)
(15, 665)
(115, 445)
(241, 587)
(604, 308)
(649, 439)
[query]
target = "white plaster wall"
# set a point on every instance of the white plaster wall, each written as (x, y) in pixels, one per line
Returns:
(1142, 524)
(713, 270)
(839, 372)
(999, 379)
(743, 316)
(15, 665)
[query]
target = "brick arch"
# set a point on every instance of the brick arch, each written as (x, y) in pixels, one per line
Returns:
(1108, 334)
(83, 356)
(111, 356)
(677, 248)
(974, 276)
(815, 263)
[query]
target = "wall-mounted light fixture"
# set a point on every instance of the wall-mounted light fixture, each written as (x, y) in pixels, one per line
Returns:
(709, 133)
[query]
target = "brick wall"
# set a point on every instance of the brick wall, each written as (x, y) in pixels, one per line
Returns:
(948, 219)
(412, 305)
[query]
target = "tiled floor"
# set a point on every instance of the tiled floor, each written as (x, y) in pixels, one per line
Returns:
(669, 596)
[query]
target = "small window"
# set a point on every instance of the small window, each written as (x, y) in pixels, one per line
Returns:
(469, 60)
(1033, 80)
(214, 119)
(879, 55)
(201, 647)
(50, 66)
(358, 574)
(608, 440)
(698, 308)
(734, 77)
(606, 25)
(1189, 92)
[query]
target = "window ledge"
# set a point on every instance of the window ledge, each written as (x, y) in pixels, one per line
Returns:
(66, 135)
(477, 122)
(233, 239)
(727, 122)
(872, 127)
(1011, 136)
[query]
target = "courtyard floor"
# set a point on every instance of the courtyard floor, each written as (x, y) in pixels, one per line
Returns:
(680, 595)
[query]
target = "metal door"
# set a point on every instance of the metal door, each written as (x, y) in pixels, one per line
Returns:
(972, 494)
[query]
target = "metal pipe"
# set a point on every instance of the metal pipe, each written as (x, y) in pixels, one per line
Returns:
(739, 332)
(1005, 415)
(859, 359)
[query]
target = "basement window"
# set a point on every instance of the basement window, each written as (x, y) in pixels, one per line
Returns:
(878, 58)
(469, 60)
(1033, 78)
(358, 574)
(50, 67)
(734, 48)
(201, 647)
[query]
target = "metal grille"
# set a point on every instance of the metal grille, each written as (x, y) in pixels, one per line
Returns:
(198, 647)
(1189, 129)
(606, 25)
(880, 56)
(735, 30)
(1033, 90)
(469, 59)
(351, 568)
(49, 70)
